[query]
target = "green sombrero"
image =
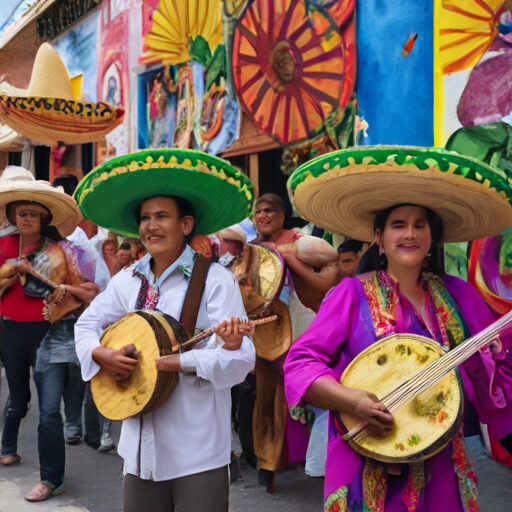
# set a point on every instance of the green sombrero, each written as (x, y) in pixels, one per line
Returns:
(110, 194)
(342, 191)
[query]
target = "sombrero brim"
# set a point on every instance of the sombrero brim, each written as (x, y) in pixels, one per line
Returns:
(63, 208)
(342, 191)
(49, 120)
(220, 194)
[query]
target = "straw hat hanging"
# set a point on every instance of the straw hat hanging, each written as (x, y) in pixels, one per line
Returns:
(48, 112)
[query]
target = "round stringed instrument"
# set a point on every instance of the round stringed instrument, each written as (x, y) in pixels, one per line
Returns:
(155, 335)
(416, 380)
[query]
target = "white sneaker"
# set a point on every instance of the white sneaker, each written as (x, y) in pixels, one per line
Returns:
(106, 443)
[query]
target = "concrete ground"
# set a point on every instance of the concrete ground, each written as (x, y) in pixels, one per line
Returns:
(93, 483)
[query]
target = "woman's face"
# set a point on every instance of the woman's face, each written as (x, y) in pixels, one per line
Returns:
(406, 238)
(28, 219)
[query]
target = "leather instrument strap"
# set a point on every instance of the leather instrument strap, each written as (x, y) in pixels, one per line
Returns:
(195, 290)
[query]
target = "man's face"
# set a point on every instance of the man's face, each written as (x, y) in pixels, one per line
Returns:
(161, 230)
(268, 221)
(348, 263)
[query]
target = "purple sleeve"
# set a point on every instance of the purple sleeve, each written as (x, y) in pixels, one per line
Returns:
(487, 377)
(314, 353)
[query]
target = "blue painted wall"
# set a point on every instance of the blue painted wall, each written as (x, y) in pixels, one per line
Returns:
(396, 94)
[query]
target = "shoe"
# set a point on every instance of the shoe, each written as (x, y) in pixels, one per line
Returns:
(106, 443)
(267, 478)
(7, 460)
(43, 490)
(74, 440)
(93, 444)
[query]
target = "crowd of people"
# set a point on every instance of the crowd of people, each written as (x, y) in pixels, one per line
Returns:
(289, 313)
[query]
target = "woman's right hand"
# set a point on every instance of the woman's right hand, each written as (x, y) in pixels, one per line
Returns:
(367, 407)
(120, 364)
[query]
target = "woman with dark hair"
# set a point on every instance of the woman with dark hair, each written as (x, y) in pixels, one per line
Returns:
(405, 200)
(35, 261)
(32, 207)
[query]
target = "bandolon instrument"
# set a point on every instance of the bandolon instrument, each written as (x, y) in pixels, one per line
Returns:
(417, 382)
(154, 335)
(260, 271)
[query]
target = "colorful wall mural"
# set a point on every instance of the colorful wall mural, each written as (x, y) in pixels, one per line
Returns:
(113, 84)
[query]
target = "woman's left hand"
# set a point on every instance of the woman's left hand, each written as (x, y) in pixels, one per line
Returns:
(495, 346)
(232, 332)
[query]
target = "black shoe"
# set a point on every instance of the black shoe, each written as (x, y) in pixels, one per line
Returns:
(93, 444)
(73, 440)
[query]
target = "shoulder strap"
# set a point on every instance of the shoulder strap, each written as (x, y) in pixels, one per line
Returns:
(194, 294)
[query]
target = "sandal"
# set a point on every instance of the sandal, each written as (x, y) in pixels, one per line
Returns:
(42, 491)
(7, 460)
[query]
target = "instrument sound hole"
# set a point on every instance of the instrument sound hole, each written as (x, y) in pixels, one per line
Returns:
(382, 360)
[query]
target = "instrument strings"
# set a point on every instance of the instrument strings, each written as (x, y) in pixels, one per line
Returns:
(435, 371)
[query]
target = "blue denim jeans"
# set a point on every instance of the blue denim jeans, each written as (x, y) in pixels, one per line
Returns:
(50, 385)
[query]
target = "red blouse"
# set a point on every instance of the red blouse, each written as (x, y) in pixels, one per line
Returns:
(14, 303)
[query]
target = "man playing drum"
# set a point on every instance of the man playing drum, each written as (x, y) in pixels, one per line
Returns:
(175, 458)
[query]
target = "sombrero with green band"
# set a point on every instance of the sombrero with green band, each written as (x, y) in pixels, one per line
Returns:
(342, 191)
(110, 194)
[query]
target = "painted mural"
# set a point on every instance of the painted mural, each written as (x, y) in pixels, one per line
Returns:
(113, 83)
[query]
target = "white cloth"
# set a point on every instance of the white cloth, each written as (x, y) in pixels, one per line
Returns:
(102, 275)
(191, 432)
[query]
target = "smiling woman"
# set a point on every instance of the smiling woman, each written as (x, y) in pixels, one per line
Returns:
(405, 199)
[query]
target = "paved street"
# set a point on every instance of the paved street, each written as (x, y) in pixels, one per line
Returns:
(93, 484)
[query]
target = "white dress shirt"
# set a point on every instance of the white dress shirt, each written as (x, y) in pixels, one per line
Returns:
(191, 432)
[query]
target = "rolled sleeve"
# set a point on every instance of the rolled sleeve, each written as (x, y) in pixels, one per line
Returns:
(223, 368)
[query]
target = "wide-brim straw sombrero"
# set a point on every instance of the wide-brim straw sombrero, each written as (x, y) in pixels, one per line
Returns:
(342, 191)
(110, 194)
(48, 112)
(16, 184)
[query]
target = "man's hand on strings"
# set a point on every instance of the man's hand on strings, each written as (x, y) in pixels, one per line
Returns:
(232, 332)
(120, 364)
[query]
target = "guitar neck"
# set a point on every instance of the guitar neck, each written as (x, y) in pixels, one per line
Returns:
(436, 370)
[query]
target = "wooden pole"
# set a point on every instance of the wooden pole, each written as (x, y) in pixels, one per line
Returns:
(254, 170)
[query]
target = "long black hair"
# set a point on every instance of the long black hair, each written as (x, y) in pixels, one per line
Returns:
(372, 260)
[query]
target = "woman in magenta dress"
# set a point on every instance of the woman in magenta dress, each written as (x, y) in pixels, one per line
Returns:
(400, 295)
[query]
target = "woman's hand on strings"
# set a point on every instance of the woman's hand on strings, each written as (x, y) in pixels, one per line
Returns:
(232, 332)
(120, 364)
(368, 408)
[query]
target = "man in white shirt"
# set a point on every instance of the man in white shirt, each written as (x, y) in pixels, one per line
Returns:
(177, 457)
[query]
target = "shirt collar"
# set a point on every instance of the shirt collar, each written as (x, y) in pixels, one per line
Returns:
(185, 263)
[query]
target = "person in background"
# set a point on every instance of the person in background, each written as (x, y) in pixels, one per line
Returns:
(269, 215)
(74, 389)
(109, 253)
(350, 253)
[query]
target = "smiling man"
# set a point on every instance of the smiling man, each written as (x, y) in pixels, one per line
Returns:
(175, 458)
